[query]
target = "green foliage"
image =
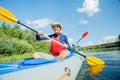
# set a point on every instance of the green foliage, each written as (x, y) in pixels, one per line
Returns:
(14, 31)
(6, 46)
(14, 45)
(30, 36)
(14, 40)
(4, 28)
(21, 46)
(102, 47)
(17, 32)
(14, 57)
(41, 46)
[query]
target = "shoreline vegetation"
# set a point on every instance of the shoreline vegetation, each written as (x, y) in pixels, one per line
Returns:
(102, 47)
(16, 44)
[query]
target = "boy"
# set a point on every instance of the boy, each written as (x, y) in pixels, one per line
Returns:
(58, 51)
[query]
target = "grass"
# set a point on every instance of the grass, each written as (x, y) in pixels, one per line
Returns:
(14, 57)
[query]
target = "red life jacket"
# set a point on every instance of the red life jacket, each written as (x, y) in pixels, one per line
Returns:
(55, 47)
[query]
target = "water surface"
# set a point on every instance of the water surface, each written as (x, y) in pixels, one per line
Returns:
(111, 71)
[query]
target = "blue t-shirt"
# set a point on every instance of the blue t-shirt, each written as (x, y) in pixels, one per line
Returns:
(63, 38)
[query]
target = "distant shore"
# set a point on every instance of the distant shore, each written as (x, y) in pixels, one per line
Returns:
(102, 47)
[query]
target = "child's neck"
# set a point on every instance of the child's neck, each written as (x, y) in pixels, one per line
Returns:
(58, 33)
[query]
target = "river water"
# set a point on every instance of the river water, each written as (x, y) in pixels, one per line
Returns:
(110, 71)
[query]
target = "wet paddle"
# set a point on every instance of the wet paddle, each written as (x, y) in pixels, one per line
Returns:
(7, 16)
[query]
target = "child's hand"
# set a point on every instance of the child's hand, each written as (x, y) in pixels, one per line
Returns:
(40, 33)
(65, 45)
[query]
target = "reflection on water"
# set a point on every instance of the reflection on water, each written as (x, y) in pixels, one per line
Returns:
(110, 71)
(94, 70)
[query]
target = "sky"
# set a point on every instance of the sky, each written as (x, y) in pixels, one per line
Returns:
(101, 18)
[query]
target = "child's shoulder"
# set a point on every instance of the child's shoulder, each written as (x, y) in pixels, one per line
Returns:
(63, 35)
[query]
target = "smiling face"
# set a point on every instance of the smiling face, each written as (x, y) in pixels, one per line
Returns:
(57, 29)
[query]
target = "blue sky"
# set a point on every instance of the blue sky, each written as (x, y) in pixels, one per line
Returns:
(101, 18)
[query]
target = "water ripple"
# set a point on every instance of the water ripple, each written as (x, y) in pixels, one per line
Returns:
(111, 71)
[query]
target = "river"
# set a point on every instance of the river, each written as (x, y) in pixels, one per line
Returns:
(110, 71)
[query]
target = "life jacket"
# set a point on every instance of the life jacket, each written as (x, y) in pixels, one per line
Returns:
(55, 47)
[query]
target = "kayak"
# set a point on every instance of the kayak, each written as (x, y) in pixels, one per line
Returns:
(46, 70)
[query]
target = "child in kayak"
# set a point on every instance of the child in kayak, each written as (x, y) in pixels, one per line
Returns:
(56, 49)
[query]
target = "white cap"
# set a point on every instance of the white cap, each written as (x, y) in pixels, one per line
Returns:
(56, 23)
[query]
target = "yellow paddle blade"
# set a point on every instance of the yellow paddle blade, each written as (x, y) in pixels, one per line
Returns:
(92, 60)
(6, 15)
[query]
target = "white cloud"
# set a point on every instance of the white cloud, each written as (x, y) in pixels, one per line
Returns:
(90, 7)
(108, 39)
(70, 40)
(83, 21)
(40, 23)
(22, 27)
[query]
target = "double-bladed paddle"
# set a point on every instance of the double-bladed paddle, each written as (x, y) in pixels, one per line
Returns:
(7, 16)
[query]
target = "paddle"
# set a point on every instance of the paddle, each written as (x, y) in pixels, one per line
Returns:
(83, 36)
(7, 16)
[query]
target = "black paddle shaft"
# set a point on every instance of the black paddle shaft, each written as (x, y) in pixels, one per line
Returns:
(77, 52)
(78, 40)
(26, 26)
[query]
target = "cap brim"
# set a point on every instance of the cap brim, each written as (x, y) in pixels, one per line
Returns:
(56, 25)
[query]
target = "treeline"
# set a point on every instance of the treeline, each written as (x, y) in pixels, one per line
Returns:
(14, 40)
(102, 47)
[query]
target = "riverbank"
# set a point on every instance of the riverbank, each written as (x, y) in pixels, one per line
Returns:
(102, 47)
(14, 57)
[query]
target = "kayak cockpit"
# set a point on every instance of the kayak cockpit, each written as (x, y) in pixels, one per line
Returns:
(26, 63)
